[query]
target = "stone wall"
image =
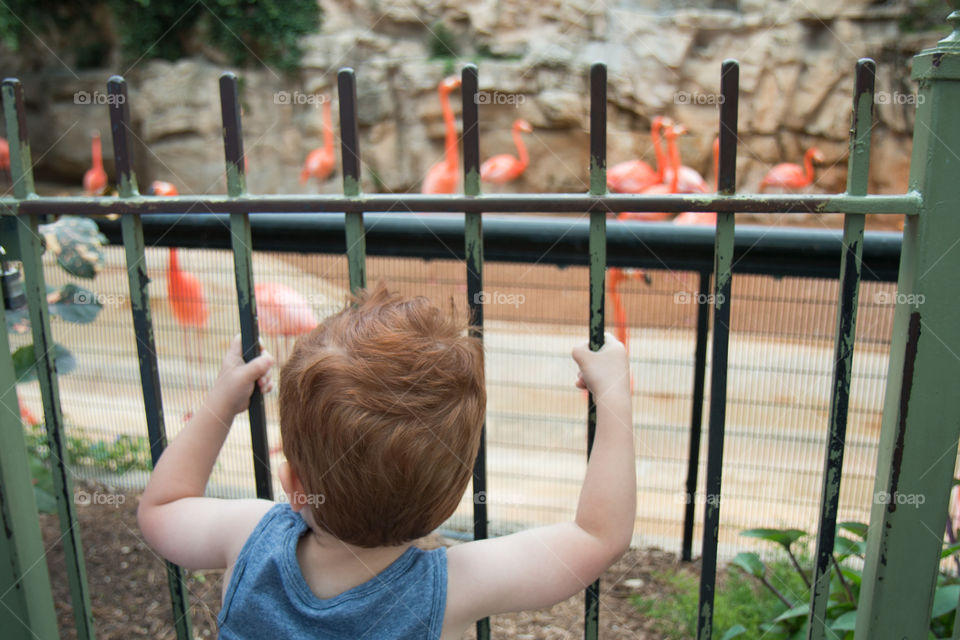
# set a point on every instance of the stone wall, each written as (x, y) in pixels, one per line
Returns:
(796, 77)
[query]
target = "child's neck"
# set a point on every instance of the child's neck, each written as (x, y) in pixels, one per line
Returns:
(331, 566)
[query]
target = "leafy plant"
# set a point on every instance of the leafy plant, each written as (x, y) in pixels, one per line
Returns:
(240, 31)
(736, 605)
(843, 596)
(245, 31)
(442, 43)
(124, 453)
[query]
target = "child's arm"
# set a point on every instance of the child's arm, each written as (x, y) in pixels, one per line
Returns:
(540, 567)
(184, 527)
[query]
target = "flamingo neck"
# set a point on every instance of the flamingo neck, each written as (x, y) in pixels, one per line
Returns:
(674, 154)
(96, 150)
(658, 148)
(450, 143)
(327, 126)
(522, 154)
(174, 266)
(716, 165)
(808, 166)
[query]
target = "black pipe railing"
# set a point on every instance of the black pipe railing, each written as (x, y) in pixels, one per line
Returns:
(560, 241)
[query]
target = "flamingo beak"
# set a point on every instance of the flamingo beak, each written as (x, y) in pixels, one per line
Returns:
(525, 126)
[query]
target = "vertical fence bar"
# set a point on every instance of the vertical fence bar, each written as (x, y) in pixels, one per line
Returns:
(473, 253)
(850, 267)
(31, 250)
(696, 413)
(921, 416)
(26, 601)
(350, 161)
(133, 244)
(598, 267)
(242, 245)
(722, 267)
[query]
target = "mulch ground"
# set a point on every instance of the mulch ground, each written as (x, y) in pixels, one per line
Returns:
(128, 585)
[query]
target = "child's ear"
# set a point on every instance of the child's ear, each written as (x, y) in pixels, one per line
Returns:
(292, 486)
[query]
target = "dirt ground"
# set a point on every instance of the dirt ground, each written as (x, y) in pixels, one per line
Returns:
(129, 594)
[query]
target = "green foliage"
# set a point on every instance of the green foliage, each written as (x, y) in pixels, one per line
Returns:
(24, 362)
(925, 15)
(442, 43)
(770, 600)
(246, 31)
(125, 453)
(739, 603)
(243, 31)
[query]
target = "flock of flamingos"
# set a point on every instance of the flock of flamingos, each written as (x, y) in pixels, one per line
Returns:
(283, 312)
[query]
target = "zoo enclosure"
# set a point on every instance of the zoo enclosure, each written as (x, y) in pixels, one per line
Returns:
(919, 426)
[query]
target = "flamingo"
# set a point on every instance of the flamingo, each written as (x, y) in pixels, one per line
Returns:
(671, 132)
(704, 217)
(161, 188)
(616, 275)
(787, 175)
(184, 291)
(504, 167)
(95, 179)
(5, 157)
(320, 161)
(282, 312)
(633, 176)
(443, 176)
(189, 306)
(689, 180)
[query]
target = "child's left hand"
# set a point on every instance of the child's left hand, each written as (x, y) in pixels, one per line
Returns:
(234, 386)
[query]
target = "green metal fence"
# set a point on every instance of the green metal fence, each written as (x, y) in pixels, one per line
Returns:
(921, 420)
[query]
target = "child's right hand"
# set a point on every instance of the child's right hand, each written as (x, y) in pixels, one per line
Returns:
(604, 370)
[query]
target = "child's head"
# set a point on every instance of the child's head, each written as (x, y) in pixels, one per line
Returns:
(381, 408)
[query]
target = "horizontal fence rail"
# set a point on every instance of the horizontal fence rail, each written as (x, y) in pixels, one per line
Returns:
(777, 251)
(851, 256)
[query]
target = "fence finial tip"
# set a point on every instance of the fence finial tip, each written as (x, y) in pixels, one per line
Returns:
(954, 19)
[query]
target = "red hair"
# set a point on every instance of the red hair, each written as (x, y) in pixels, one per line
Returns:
(381, 408)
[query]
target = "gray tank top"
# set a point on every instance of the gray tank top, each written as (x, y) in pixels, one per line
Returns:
(268, 596)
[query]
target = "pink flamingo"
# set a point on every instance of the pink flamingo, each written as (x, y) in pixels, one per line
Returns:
(672, 158)
(189, 305)
(185, 293)
(617, 276)
(282, 312)
(689, 180)
(5, 157)
(444, 175)
(161, 188)
(95, 179)
(503, 168)
(788, 175)
(704, 217)
(633, 176)
(320, 161)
